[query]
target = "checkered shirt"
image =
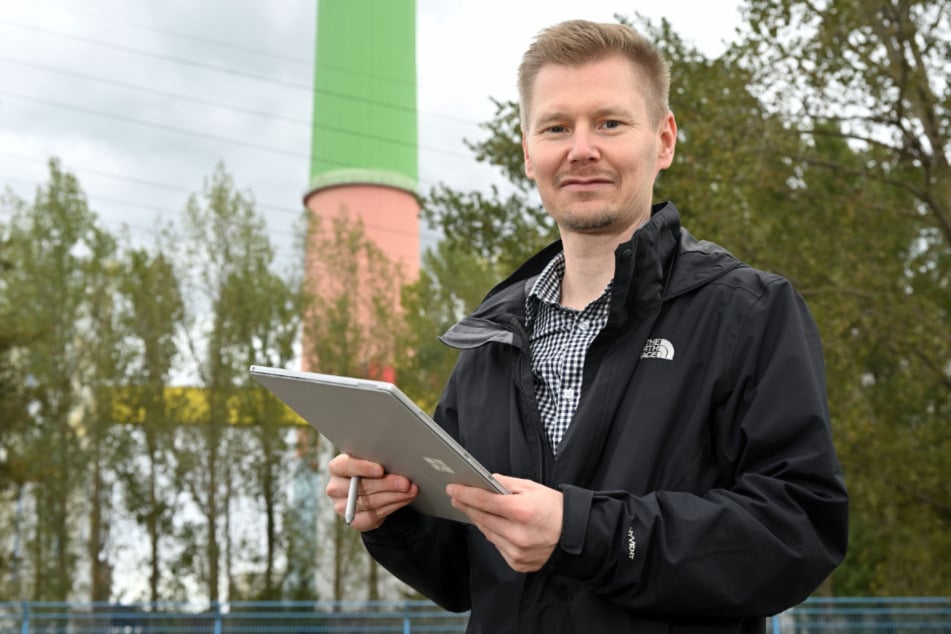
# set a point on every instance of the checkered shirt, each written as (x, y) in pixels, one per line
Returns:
(559, 342)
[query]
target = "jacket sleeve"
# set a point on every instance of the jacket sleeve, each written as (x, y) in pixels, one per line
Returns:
(427, 553)
(765, 540)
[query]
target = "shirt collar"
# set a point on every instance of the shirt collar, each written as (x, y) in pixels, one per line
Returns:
(547, 289)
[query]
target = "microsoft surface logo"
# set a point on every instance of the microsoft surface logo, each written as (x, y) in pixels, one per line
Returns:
(438, 464)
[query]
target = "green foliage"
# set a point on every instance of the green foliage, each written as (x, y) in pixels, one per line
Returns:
(503, 145)
(58, 291)
(252, 315)
(498, 228)
(95, 439)
(13, 397)
(153, 316)
(451, 283)
(485, 237)
(864, 87)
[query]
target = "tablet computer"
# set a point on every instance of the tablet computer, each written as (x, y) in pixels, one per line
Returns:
(375, 421)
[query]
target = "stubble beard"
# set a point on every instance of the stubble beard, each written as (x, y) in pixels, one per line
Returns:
(587, 221)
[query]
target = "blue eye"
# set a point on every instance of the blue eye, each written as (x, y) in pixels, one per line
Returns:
(612, 124)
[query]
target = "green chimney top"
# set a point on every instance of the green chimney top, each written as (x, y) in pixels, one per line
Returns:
(365, 94)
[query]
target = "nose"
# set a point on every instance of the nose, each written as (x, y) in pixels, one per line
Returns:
(583, 146)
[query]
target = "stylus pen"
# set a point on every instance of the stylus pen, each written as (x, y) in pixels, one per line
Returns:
(351, 500)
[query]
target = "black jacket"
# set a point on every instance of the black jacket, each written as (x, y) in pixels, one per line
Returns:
(701, 488)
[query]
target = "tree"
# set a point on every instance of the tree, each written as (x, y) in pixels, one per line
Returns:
(351, 328)
(485, 237)
(108, 356)
(15, 417)
(872, 77)
(498, 228)
(228, 256)
(264, 316)
(875, 70)
(451, 283)
(154, 311)
(59, 252)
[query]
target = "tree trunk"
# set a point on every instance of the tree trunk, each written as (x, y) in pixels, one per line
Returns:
(212, 511)
(152, 518)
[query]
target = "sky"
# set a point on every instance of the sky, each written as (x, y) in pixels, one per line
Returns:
(142, 99)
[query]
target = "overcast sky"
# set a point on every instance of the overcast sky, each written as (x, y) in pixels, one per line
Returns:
(141, 99)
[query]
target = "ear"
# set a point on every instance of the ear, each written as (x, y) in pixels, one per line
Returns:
(668, 140)
(529, 169)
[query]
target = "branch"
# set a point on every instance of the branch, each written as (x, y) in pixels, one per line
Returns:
(851, 136)
(926, 99)
(941, 509)
(935, 368)
(917, 193)
(837, 290)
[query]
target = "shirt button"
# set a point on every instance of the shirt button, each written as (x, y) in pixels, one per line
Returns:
(583, 324)
(568, 393)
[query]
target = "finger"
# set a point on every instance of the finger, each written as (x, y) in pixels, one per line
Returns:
(377, 500)
(346, 466)
(513, 555)
(386, 497)
(372, 517)
(514, 485)
(339, 487)
(477, 498)
(493, 525)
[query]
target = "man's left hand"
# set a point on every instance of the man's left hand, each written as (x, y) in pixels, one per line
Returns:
(525, 526)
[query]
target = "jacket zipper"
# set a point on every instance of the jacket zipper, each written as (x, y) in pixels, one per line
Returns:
(524, 350)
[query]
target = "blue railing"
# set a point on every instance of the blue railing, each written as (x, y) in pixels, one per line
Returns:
(926, 615)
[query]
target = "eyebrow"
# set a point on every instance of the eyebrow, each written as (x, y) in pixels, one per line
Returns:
(548, 119)
(601, 113)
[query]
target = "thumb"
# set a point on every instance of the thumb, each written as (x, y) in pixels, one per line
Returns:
(514, 485)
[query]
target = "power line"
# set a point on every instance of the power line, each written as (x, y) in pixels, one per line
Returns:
(89, 170)
(183, 131)
(266, 115)
(265, 206)
(122, 223)
(158, 126)
(140, 181)
(230, 71)
(189, 36)
(310, 62)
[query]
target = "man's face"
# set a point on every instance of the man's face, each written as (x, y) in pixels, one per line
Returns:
(591, 147)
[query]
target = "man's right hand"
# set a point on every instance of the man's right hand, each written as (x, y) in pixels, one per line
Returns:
(380, 493)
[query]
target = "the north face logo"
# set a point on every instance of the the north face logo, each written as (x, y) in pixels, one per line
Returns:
(658, 349)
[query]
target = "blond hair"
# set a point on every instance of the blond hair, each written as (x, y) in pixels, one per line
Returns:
(578, 42)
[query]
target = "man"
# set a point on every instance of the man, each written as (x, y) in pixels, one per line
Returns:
(658, 407)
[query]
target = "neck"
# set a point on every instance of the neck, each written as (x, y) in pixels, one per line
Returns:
(589, 266)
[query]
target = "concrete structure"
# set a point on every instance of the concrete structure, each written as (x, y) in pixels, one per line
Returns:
(364, 149)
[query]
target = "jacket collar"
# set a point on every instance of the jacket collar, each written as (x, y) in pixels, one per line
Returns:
(659, 262)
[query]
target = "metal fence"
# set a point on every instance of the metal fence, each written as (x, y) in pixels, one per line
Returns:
(826, 616)
(923, 615)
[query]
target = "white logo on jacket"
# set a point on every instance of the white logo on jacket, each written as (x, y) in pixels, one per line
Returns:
(631, 543)
(658, 349)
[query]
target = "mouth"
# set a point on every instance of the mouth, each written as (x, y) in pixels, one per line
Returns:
(575, 183)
